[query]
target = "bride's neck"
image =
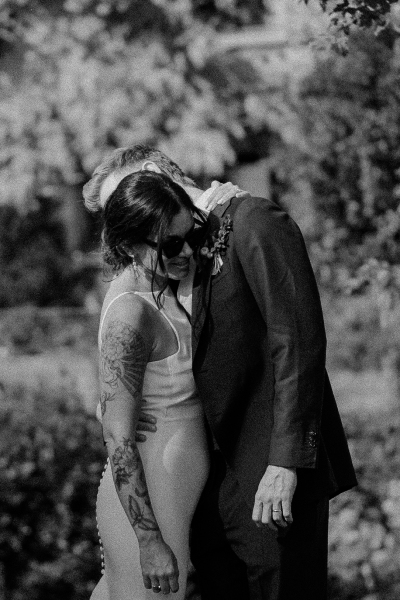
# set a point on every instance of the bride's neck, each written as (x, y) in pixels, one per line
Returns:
(141, 279)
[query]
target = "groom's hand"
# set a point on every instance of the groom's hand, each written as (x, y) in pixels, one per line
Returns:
(273, 500)
(145, 422)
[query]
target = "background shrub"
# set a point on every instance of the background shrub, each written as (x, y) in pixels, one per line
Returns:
(361, 334)
(51, 458)
(364, 547)
(29, 329)
(37, 265)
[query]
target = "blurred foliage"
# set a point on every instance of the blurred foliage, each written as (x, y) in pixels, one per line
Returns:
(36, 265)
(80, 78)
(346, 16)
(364, 546)
(346, 155)
(51, 457)
(29, 329)
(352, 121)
(92, 75)
(362, 331)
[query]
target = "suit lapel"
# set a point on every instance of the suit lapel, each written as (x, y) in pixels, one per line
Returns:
(202, 286)
(201, 298)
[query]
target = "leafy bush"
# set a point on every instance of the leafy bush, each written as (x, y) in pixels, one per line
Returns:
(362, 331)
(51, 457)
(36, 264)
(364, 547)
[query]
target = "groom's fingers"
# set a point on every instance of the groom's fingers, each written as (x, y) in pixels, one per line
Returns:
(146, 422)
(257, 513)
(277, 515)
(144, 426)
(145, 417)
(287, 511)
(174, 584)
(268, 517)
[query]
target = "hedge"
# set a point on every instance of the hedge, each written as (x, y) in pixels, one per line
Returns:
(51, 458)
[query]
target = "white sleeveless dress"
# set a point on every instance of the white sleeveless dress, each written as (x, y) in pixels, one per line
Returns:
(175, 462)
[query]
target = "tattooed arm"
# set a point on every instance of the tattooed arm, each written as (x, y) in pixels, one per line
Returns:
(124, 353)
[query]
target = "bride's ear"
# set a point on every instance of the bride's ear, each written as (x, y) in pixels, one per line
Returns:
(149, 165)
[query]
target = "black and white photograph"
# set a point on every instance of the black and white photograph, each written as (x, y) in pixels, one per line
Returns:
(199, 299)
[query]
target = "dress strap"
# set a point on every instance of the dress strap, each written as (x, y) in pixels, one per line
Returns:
(148, 297)
(106, 310)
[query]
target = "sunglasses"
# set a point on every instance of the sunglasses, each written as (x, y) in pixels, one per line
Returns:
(172, 247)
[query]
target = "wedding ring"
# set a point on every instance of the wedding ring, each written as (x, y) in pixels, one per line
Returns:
(156, 588)
(276, 510)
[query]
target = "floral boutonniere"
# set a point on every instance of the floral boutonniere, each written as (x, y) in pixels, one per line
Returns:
(218, 244)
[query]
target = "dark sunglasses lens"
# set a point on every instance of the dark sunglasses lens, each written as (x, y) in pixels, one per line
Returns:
(172, 248)
(196, 237)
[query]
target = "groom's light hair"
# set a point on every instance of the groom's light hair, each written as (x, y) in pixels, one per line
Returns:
(125, 160)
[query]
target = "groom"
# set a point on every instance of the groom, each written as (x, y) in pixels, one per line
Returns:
(279, 450)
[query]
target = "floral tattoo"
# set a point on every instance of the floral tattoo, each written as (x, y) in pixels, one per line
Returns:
(139, 519)
(123, 356)
(123, 361)
(104, 398)
(127, 467)
(126, 461)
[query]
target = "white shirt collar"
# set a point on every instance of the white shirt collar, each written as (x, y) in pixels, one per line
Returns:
(185, 288)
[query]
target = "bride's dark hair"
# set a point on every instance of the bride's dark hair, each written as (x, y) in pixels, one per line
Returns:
(140, 208)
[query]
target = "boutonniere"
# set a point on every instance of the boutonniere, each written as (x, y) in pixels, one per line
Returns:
(218, 244)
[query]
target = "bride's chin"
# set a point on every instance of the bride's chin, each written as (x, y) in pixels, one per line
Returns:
(178, 273)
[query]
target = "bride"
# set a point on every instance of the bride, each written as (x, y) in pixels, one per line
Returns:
(149, 491)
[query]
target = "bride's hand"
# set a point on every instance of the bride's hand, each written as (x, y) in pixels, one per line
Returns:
(159, 565)
(219, 193)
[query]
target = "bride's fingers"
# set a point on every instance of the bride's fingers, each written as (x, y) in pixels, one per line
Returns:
(156, 585)
(227, 190)
(213, 195)
(164, 584)
(147, 582)
(221, 194)
(242, 194)
(173, 583)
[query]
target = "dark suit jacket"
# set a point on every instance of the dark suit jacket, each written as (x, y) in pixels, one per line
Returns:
(259, 355)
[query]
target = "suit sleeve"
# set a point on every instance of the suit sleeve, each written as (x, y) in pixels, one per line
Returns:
(272, 253)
